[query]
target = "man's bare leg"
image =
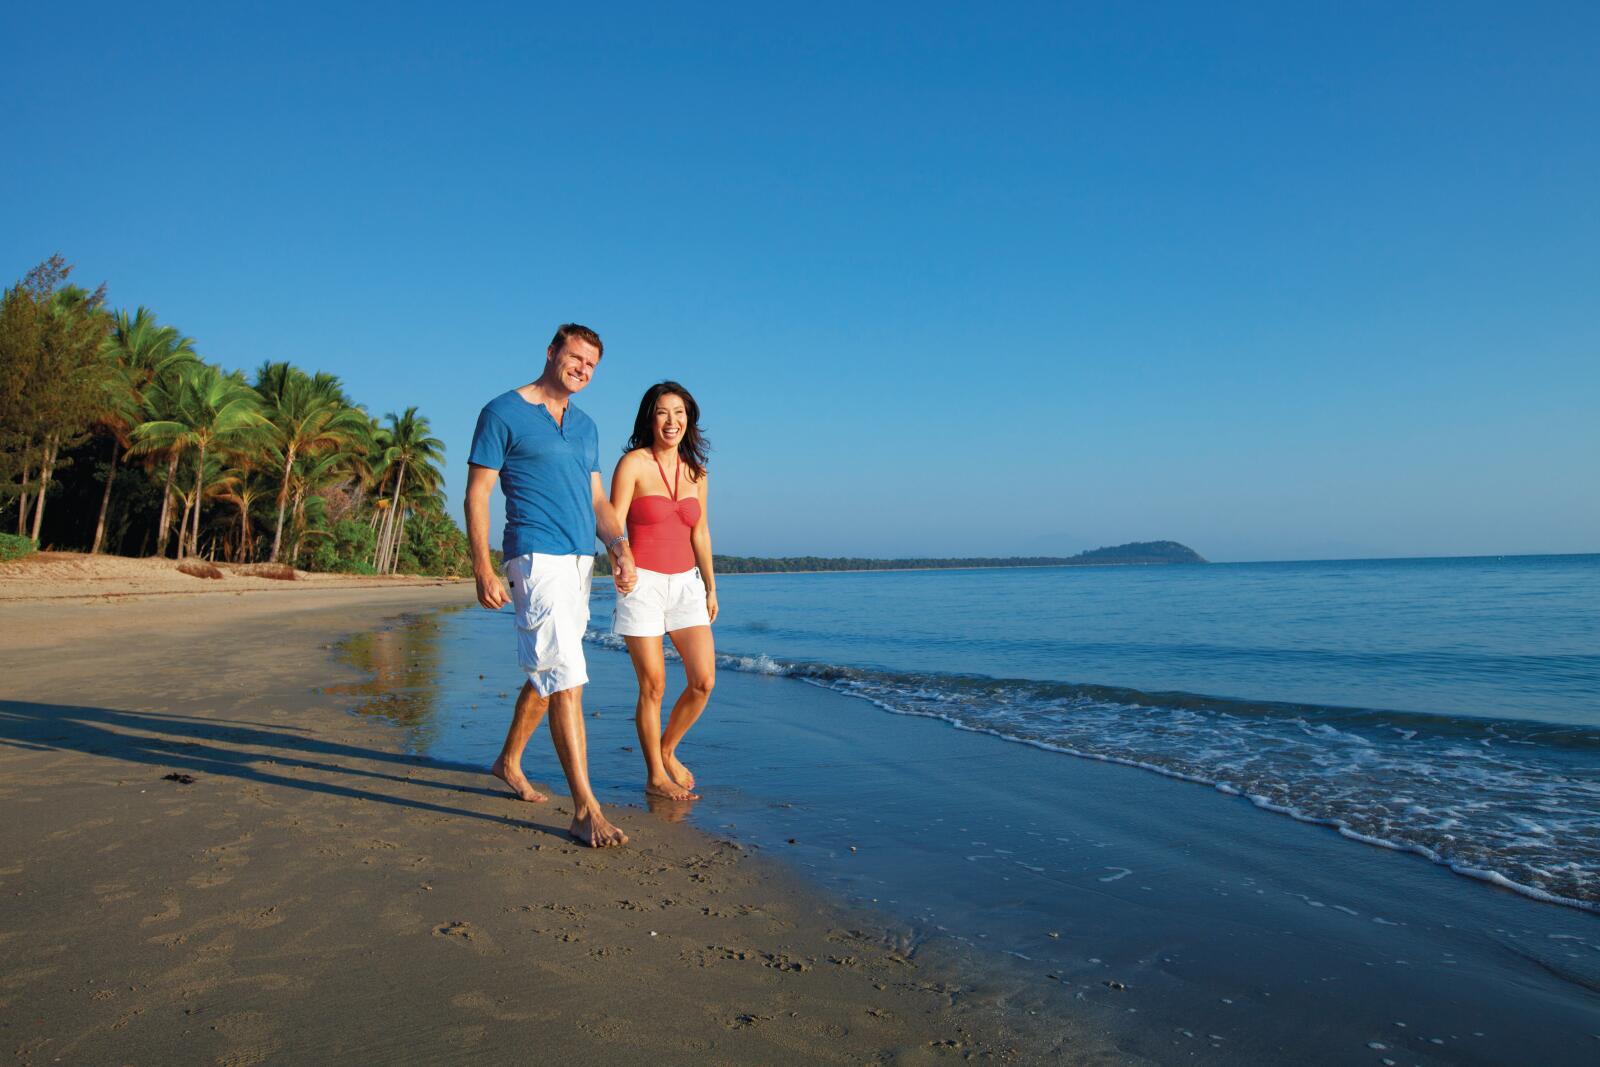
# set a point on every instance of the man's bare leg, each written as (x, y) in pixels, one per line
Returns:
(651, 668)
(524, 721)
(572, 747)
(694, 644)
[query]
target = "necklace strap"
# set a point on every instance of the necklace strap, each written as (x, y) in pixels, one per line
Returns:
(672, 486)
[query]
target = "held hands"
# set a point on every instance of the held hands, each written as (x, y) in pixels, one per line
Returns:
(623, 572)
(711, 604)
(491, 593)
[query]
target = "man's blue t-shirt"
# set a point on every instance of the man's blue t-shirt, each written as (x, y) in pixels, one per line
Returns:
(545, 470)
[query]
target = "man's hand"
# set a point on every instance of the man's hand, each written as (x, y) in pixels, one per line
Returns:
(491, 592)
(623, 572)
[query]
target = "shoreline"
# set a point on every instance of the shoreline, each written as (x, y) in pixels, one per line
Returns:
(229, 864)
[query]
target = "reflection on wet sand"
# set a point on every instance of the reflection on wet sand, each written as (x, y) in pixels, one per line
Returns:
(667, 809)
(404, 662)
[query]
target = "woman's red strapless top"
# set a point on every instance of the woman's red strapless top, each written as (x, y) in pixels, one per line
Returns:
(658, 530)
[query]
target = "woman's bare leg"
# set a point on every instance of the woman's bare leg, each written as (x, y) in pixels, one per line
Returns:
(650, 667)
(699, 654)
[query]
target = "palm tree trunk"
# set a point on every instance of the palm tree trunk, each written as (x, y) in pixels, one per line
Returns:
(399, 542)
(199, 498)
(299, 512)
(283, 498)
(22, 500)
(183, 525)
(105, 500)
(166, 504)
(46, 467)
(389, 520)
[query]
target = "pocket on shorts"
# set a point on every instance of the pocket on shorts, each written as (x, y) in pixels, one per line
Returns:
(538, 644)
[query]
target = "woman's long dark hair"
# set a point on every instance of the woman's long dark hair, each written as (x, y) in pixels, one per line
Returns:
(692, 448)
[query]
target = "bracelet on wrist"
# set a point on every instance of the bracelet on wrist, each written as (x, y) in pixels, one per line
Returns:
(615, 541)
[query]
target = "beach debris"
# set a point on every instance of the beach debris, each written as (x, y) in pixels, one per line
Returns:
(1112, 983)
(653, 933)
(280, 572)
(196, 568)
(181, 779)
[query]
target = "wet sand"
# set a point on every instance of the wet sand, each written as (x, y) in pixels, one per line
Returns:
(1186, 924)
(206, 859)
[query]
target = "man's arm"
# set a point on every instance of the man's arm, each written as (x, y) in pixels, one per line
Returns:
(609, 528)
(480, 486)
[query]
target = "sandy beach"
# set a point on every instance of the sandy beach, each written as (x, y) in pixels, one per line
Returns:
(207, 859)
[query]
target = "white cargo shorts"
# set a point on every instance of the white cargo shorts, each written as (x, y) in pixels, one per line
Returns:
(661, 603)
(550, 595)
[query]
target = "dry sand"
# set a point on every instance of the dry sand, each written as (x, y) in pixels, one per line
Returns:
(74, 575)
(315, 892)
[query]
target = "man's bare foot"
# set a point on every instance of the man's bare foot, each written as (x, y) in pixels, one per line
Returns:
(679, 772)
(667, 789)
(520, 787)
(592, 829)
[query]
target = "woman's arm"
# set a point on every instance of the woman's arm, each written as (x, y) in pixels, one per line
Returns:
(700, 538)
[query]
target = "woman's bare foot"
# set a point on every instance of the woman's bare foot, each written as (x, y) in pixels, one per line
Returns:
(590, 828)
(679, 772)
(667, 789)
(520, 787)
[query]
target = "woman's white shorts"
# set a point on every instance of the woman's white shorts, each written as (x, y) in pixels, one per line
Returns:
(661, 603)
(550, 595)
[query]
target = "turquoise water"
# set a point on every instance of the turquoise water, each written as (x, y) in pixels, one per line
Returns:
(1512, 637)
(1443, 708)
(1447, 707)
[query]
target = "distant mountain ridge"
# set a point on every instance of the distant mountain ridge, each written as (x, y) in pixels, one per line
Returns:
(1141, 552)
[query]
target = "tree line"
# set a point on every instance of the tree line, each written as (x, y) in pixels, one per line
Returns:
(116, 436)
(1135, 552)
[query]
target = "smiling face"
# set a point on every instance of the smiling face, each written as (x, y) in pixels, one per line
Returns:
(671, 420)
(573, 365)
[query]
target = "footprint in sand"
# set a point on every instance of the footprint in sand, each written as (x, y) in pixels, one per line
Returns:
(461, 930)
(170, 909)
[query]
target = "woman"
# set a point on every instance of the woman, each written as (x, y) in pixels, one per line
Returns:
(660, 486)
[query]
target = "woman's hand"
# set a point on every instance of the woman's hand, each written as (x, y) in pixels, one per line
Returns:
(711, 604)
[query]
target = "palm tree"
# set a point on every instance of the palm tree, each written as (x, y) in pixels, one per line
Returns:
(410, 446)
(308, 416)
(244, 487)
(215, 411)
(140, 353)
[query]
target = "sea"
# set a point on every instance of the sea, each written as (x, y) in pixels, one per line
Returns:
(1321, 812)
(1447, 707)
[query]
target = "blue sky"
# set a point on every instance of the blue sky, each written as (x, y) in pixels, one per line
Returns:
(1272, 280)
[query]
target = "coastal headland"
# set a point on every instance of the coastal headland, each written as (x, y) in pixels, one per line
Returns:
(206, 858)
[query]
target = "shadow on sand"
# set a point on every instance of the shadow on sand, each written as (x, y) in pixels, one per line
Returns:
(248, 751)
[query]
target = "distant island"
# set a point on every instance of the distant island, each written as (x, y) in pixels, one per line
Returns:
(1143, 552)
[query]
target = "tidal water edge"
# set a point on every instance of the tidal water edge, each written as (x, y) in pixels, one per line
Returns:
(1439, 708)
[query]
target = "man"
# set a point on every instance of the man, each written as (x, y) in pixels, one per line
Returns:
(546, 455)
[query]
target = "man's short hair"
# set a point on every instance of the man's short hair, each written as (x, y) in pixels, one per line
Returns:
(570, 330)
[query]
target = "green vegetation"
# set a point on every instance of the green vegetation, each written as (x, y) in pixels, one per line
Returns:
(137, 445)
(1136, 552)
(14, 547)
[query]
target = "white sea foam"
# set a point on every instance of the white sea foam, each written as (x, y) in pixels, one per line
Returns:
(1503, 803)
